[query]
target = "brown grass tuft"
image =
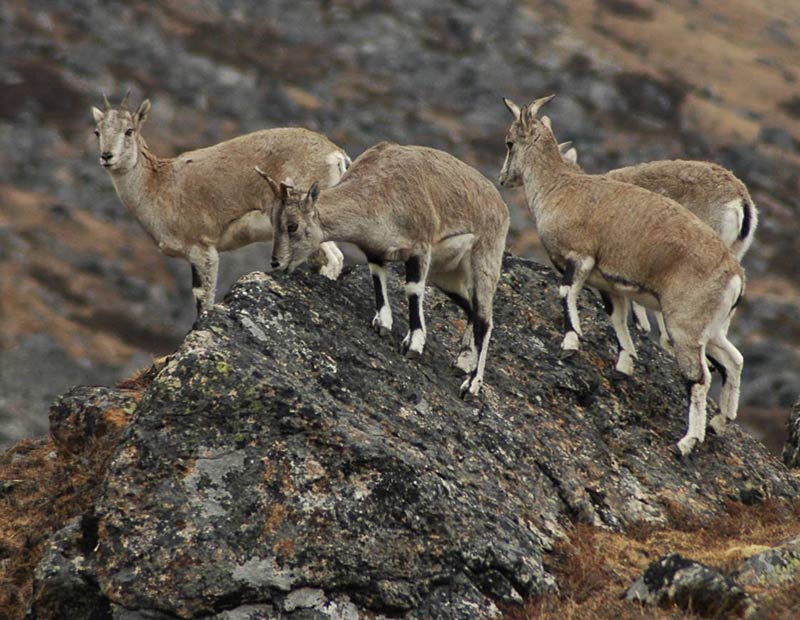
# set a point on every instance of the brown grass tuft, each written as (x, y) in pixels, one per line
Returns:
(39, 493)
(595, 567)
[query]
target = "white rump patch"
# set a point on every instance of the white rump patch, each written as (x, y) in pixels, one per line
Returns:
(337, 165)
(731, 221)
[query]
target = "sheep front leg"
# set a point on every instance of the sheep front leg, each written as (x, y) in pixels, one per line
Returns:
(334, 260)
(416, 274)
(577, 270)
(205, 266)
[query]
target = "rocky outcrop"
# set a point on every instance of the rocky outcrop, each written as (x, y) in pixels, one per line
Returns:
(288, 463)
(85, 294)
(692, 586)
(791, 450)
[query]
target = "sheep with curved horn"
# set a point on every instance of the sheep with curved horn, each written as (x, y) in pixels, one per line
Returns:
(210, 200)
(634, 245)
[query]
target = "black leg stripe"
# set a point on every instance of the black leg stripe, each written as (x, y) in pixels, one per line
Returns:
(414, 319)
(569, 273)
(379, 301)
(568, 327)
(461, 302)
(607, 303)
(196, 283)
(199, 306)
(413, 269)
(719, 368)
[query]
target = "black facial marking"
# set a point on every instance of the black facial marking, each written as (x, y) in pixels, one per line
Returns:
(719, 368)
(379, 300)
(196, 283)
(413, 269)
(414, 319)
(608, 305)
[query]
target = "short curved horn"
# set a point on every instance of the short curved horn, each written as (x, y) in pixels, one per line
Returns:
(124, 104)
(106, 102)
(534, 108)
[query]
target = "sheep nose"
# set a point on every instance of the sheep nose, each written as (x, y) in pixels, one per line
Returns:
(275, 263)
(106, 155)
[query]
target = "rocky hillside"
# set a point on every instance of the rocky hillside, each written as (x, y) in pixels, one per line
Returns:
(85, 298)
(286, 462)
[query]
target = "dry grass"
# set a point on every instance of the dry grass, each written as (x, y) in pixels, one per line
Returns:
(41, 489)
(596, 567)
(40, 493)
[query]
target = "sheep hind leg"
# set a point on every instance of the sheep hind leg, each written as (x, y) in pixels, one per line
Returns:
(642, 321)
(482, 332)
(663, 335)
(467, 359)
(416, 275)
(575, 274)
(729, 361)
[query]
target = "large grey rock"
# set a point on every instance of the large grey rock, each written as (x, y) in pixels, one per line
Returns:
(692, 586)
(286, 446)
(772, 567)
(65, 585)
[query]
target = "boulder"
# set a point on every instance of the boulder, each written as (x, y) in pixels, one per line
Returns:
(287, 462)
(692, 586)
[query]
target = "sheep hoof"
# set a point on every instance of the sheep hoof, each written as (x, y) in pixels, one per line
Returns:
(381, 328)
(565, 354)
(625, 364)
(685, 446)
(331, 271)
(469, 388)
(718, 424)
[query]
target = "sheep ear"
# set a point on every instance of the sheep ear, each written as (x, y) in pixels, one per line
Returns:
(512, 107)
(97, 114)
(564, 145)
(313, 193)
(140, 116)
(547, 122)
(571, 156)
(273, 184)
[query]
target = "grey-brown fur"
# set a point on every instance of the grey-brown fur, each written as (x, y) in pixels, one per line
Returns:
(424, 207)
(209, 200)
(636, 246)
(711, 192)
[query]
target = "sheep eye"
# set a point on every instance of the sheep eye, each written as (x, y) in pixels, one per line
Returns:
(129, 133)
(509, 144)
(292, 228)
(97, 132)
